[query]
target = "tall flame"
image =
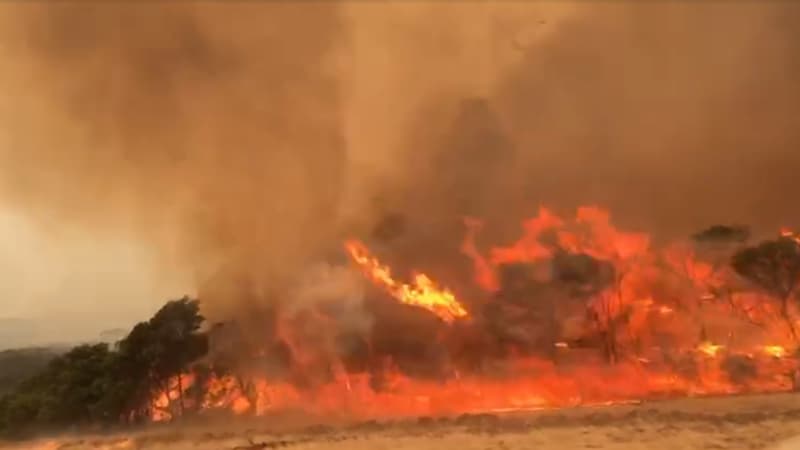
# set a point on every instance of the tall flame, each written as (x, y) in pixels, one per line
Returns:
(422, 292)
(641, 321)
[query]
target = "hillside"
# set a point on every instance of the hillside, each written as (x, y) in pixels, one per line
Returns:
(18, 364)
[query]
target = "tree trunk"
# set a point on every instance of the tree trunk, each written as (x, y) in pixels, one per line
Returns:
(787, 317)
(180, 393)
(611, 346)
(249, 392)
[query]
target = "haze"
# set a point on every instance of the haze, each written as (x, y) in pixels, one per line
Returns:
(59, 291)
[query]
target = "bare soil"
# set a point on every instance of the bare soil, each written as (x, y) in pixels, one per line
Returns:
(743, 422)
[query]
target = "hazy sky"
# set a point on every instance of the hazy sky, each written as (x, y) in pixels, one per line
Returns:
(72, 286)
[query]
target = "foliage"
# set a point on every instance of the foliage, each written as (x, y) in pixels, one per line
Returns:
(162, 348)
(773, 266)
(722, 234)
(174, 341)
(581, 274)
(17, 365)
(74, 387)
(95, 384)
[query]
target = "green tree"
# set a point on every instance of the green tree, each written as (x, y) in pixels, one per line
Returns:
(161, 349)
(17, 365)
(135, 360)
(79, 387)
(177, 342)
(94, 384)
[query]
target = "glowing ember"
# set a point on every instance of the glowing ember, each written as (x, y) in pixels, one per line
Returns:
(423, 292)
(787, 233)
(709, 349)
(775, 350)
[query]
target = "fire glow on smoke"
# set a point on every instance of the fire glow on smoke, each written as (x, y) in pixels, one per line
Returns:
(575, 312)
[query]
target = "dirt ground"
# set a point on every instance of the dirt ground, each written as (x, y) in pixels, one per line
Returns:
(745, 422)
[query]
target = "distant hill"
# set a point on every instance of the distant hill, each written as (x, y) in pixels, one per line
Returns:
(24, 361)
(18, 364)
(17, 332)
(24, 333)
(113, 335)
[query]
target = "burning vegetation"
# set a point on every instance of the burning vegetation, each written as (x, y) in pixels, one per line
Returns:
(423, 292)
(241, 144)
(574, 312)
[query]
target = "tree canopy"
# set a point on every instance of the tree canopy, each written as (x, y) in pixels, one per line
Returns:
(718, 234)
(773, 266)
(17, 365)
(99, 384)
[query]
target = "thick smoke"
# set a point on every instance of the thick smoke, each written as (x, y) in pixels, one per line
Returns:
(244, 140)
(212, 132)
(674, 115)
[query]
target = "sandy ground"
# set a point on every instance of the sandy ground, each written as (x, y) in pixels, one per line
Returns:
(747, 422)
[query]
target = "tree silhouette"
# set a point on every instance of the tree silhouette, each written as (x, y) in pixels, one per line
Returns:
(773, 266)
(714, 247)
(722, 234)
(81, 386)
(160, 350)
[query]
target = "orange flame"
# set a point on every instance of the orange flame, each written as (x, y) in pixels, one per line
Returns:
(666, 321)
(787, 233)
(776, 351)
(422, 292)
(709, 348)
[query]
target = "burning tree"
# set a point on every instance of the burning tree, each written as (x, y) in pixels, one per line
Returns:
(560, 265)
(773, 266)
(235, 357)
(704, 269)
(159, 351)
(572, 311)
(617, 256)
(175, 343)
(567, 285)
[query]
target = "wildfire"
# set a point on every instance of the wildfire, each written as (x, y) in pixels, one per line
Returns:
(575, 312)
(422, 292)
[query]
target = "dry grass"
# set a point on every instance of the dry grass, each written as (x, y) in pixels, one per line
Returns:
(748, 422)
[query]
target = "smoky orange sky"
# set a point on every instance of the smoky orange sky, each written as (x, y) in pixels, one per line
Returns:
(147, 148)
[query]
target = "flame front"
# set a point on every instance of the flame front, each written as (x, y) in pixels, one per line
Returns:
(574, 312)
(422, 292)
